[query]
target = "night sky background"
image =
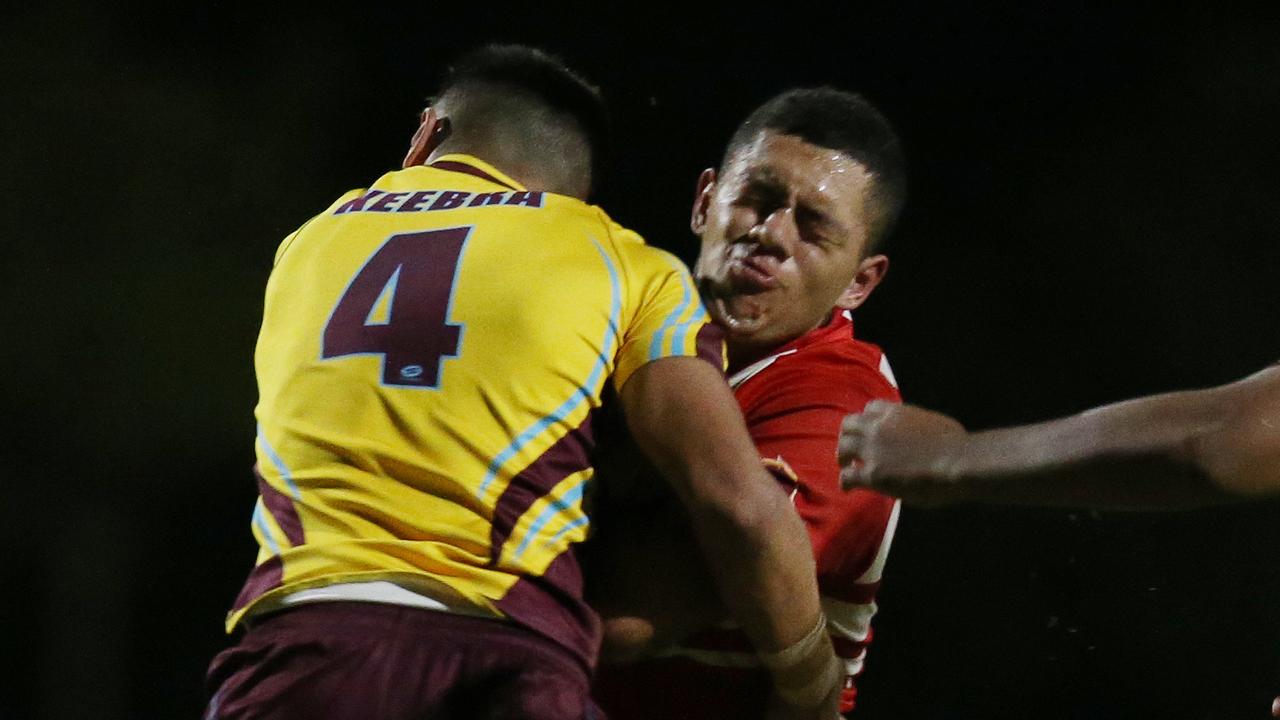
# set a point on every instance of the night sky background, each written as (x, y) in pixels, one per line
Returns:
(1093, 215)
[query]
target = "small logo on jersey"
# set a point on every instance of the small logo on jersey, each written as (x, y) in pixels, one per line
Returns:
(411, 371)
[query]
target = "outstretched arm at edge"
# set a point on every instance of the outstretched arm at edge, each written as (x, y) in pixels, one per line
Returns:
(1169, 451)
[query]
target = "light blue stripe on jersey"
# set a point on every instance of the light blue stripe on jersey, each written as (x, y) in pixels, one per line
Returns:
(260, 522)
(677, 338)
(568, 502)
(655, 347)
(280, 466)
(571, 526)
(579, 396)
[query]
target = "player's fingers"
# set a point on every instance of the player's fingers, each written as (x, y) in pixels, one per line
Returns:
(848, 447)
(853, 424)
(855, 474)
(850, 477)
(853, 432)
(1275, 707)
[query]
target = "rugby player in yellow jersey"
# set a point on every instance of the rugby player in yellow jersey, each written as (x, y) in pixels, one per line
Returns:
(432, 353)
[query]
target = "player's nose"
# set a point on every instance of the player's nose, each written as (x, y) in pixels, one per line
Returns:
(775, 232)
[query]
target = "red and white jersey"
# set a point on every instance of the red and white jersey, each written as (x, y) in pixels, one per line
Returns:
(794, 401)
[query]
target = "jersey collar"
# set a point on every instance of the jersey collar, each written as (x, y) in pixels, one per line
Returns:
(840, 325)
(471, 165)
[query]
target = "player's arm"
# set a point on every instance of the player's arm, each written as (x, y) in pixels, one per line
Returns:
(1176, 450)
(685, 419)
(794, 422)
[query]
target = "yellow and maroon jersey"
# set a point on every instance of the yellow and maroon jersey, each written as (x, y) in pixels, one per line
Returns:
(431, 354)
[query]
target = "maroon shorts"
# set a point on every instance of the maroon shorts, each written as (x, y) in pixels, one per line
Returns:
(367, 661)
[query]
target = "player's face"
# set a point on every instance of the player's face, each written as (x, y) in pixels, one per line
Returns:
(783, 233)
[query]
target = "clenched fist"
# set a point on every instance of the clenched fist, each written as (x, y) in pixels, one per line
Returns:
(904, 451)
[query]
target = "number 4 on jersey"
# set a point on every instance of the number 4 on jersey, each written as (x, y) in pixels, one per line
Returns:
(397, 306)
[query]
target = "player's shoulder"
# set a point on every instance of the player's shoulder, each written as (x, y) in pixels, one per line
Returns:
(637, 255)
(866, 357)
(837, 360)
(624, 238)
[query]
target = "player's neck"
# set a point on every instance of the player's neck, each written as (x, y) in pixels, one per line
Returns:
(531, 178)
(742, 352)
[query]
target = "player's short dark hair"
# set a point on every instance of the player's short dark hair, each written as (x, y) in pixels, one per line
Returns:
(845, 122)
(512, 78)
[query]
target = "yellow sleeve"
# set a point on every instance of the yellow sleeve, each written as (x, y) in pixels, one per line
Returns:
(284, 244)
(668, 320)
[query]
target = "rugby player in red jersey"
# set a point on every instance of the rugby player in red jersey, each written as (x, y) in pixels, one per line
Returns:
(790, 228)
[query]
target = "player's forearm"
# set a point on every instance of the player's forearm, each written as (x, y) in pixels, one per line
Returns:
(1140, 454)
(761, 559)
(685, 418)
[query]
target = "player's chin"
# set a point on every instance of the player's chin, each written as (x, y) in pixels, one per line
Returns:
(740, 315)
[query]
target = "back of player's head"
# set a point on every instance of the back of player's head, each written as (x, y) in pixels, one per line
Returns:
(524, 109)
(845, 122)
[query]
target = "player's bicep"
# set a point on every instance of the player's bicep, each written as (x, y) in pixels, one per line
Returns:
(685, 420)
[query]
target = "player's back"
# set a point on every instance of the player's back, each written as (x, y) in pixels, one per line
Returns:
(430, 355)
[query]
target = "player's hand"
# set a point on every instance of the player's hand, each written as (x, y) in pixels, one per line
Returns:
(1275, 707)
(902, 450)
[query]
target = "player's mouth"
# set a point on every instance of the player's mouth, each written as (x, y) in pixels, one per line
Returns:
(740, 299)
(750, 272)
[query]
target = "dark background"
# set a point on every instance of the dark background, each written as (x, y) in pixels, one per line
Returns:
(1093, 216)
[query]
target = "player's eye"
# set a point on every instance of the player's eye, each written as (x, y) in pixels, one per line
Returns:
(763, 195)
(813, 222)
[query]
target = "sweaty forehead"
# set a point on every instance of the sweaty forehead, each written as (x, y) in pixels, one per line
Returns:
(790, 163)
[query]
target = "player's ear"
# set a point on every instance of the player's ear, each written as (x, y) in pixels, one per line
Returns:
(432, 131)
(871, 271)
(702, 200)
